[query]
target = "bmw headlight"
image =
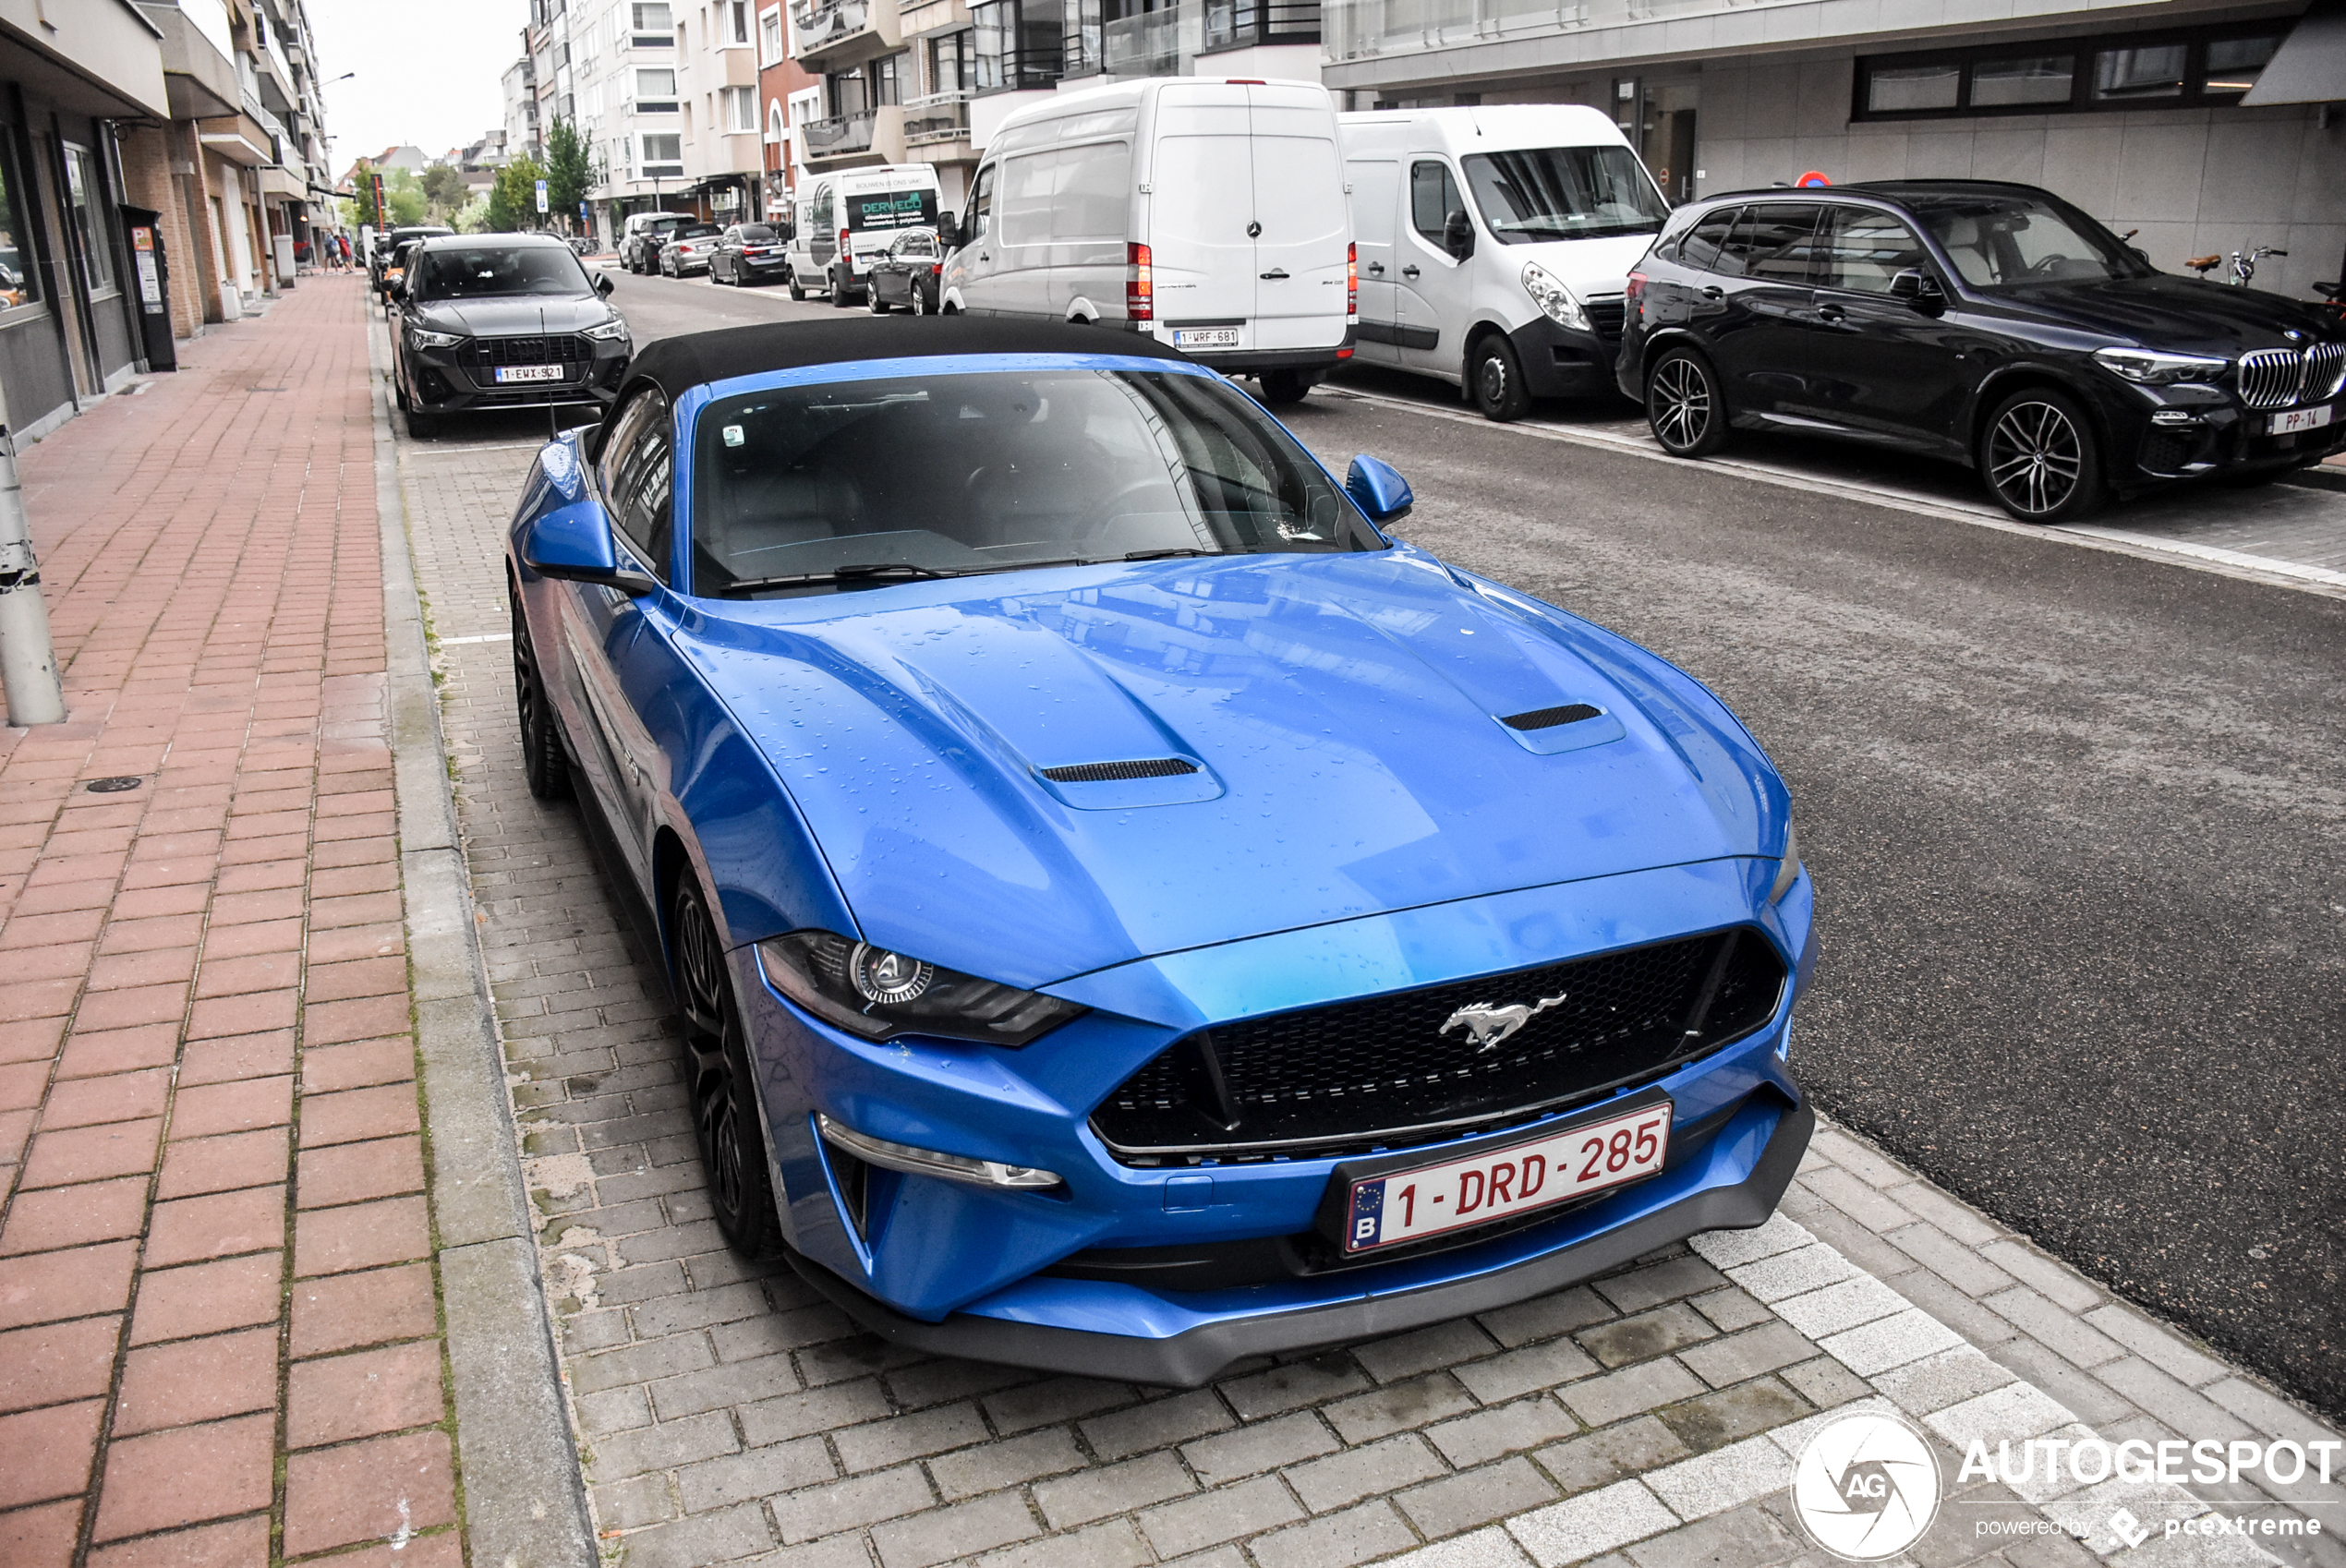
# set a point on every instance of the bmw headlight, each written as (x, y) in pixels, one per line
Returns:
(1790, 873)
(1556, 301)
(877, 993)
(2151, 367)
(421, 337)
(612, 331)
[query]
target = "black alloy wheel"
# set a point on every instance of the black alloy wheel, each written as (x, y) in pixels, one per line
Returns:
(1682, 405)
(1494, 380)
(725, 1121)
(2040, 457)
(544, 765)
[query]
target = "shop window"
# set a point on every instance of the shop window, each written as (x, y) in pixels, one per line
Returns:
(2134, 75)
(1899, 89)
(85, 210)
(2167, 69)
(2039, 79)
(19, 273)
(2234, 64)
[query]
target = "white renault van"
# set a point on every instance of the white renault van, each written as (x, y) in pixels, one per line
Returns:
(1495, 245)
(844, 220)
(1209, 214)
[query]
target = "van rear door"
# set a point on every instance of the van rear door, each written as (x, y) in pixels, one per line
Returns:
(1376, 200)
(1299, 202)
(1201, 203)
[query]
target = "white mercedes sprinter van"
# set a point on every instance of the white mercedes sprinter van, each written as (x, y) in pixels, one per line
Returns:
(1209, 214)
(1495, 245)
(843, 220)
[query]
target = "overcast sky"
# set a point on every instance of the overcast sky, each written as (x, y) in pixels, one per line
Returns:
(428, 71)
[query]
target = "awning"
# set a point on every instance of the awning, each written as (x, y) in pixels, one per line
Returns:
(2310, 65)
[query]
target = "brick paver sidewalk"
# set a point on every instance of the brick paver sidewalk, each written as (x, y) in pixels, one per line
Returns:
(217, 1307)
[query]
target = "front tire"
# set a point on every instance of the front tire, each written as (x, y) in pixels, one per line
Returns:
(2041, 458)
(797, 289)
(920, 302)
(1494, 380)
(725, 1119)
(544, 765)
(1682, 405)
(1281, 388)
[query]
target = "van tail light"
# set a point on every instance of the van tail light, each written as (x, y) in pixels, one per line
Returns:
(847, 245)
(1633, 290)
(1352, 281)
(1139, 284)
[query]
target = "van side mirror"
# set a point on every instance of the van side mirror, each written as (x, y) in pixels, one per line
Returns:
(603, 286)
(1917, 288)
(1377, 489)
(572, 544)
(949, 233)
(1458, 233)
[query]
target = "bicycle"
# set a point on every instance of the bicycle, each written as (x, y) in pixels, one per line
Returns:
(2243, 264)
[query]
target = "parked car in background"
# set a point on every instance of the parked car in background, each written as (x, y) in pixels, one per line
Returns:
(843, 222)
(945, 714)
(501, 321)
(748, 253)
(385, 257)
(906, 275)
(1494, 244)
(1207, 214)
(1985, 323)
(643, 233)
(688, 248)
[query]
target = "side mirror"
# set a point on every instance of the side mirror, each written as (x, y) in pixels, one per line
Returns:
(1458, 233)
(2140, 254)
(1917, 288)
(949, 233)
(572, 544)
(603, 286)
(1377, 489)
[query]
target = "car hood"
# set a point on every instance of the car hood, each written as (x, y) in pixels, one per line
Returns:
(1342, 713)
(511, 315)
(2183, 314)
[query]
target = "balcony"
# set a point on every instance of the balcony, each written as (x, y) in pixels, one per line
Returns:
(940, 117)
(834, 35)
(875, 136)
(1167, 42)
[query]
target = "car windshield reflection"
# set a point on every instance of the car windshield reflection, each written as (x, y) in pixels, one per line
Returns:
(2004, 242)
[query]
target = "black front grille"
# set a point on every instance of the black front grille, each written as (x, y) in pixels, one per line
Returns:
(1392, 1070)
(1606, 316)
(556, 348)
(1113, 772)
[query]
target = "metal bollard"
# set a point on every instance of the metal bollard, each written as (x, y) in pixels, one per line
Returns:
(28, 659)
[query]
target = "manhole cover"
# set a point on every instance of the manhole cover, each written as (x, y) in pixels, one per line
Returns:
(114, 786)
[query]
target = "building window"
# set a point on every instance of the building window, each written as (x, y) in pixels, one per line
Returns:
(655, 92)
(1017, 43)
(769, 32)
(740, 108)
(737, 21)
(2207, 65)
(664, 155)
(20, 273)
(886, 87)
(775, 128)
(85, 211)
(952, 61)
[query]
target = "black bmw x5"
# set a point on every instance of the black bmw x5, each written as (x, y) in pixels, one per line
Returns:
(1991, 324)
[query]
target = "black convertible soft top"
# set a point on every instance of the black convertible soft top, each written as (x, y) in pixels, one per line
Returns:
(675, 365)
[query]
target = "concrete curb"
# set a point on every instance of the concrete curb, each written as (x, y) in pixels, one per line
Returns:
(524, 1496)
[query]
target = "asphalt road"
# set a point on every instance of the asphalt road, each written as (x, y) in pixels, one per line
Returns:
(2076, 818)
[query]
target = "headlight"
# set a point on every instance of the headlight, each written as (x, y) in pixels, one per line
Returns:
(419, 337)
(1790, 873)
(612, 331)
(876, 994)
(2153, 368)
(1554, 300)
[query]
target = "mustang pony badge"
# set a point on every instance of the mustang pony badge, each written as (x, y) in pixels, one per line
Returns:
(1491, 1025)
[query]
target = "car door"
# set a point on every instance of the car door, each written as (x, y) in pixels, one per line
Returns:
(1376, 200)
(1878, 364)
(973, 268)
(1767, 286)
(1201, 215)
(1433, 294)
(822, 245)
(601, 624)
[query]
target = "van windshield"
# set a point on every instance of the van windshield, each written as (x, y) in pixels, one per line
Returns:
(1564, 193)
(891, 210)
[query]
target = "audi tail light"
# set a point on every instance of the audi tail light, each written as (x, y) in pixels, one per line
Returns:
(1139, 284)
(1352, 281)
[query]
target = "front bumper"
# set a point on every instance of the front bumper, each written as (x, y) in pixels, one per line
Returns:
(440, 382)
(2189, 432)
(1559, 362)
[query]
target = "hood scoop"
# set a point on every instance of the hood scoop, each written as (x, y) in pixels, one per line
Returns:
(1118, 772)
(1549, 717)
(1122, 786)
(1566, 727)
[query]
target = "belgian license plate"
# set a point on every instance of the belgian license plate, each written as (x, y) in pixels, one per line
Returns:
(1206, 337)
(530, 372)
(2302, 419)
(1501, 1182)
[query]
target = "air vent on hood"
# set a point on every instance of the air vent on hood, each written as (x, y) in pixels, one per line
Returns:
(1549, 717)
(1115, 772)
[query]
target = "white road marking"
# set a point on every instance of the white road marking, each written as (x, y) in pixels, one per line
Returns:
(482, 637)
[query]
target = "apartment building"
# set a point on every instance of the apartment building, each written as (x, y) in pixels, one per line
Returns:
(2204, 125)
(719, 109)
(790, 95)
(519, 85)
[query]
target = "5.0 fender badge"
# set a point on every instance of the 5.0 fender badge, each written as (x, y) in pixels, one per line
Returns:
(1490, 1026)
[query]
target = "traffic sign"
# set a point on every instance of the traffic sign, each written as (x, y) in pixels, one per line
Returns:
(541, 196)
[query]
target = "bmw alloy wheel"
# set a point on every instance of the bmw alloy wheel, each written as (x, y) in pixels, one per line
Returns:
(1680, 404)
(2035, 457)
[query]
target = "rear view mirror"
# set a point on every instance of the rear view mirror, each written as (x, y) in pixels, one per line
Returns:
(572, 544)
(949, 233)
(1458, 233)
(1917, 288)
(1377, 489)
(603, 286)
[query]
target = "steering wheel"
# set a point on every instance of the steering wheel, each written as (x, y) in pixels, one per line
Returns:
(2044, 265)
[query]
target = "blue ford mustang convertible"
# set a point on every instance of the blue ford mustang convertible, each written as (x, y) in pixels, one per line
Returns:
(1130, 912)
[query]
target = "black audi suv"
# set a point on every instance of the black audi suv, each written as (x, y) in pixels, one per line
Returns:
(500, 321)
(1988, 323)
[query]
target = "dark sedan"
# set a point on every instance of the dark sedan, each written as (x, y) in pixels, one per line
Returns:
(1991, 324)
(906, 274)
(687, 250)
(500, 321)
(749, 253)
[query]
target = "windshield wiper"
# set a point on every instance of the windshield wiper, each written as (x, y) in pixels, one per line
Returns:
(865, 572)
(1169, 554)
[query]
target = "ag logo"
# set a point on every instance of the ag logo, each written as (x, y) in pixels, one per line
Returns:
(1866, 1487)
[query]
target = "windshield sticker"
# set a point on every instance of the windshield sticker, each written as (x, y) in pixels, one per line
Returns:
(733, 434)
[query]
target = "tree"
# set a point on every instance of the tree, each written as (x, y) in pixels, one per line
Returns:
(404, 194)
(512, 201)
(362, 180)
(569, 169)
(444, 187)
(472, 218)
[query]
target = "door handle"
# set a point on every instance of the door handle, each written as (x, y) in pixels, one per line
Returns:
(1408, 271)
(1714, 292)
(1832, 312)
(1376, 269)
(985, 256)
(1276, 274)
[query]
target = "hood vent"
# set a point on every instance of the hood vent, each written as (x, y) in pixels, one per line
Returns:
(1117, 772)
(1549, 717)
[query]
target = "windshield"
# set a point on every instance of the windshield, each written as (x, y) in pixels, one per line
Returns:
(476, 271)
(891, 210)
(807, 489)
(756, 233)
(2000, 241)
(1564, 193)
(695, 231)
(661, 226)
